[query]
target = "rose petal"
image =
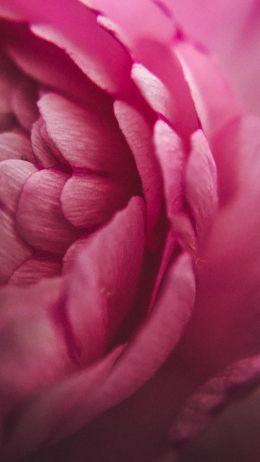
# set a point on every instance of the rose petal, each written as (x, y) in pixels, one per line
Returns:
(104, 281)
(96, 142)
(39, 217)
(89, 200)
(13, 250)
(201, 183)
(138, 136)
(44, 156)
(212, 96)
(171, 156)
(154, 91)
(13, 175)
(15, 146)
(34, 269)
(150, 347)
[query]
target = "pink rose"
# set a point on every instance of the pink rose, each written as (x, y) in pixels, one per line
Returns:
(129, 228)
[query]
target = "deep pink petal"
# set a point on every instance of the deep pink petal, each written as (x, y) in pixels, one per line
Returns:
(102, 286)
(39, 217)
(15, 146)
(89, 200)
(13, 175)
(24, 104)
(96, 142)
(34, 269)
(13, 250)
(64, 410)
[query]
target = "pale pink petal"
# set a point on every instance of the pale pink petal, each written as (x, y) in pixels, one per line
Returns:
(89, 200)
(15, 146)
(13, 250)
(39, 217)
(96, 142)
(103, 284)
(154, 91)
(139, 137)
(13, 175)
(201, 183)
(212, 96)
(34, 269)
(172, 158)
(202, 407)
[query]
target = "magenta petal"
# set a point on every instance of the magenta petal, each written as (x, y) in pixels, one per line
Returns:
(34, 269)
(201, 183)
(44, 157)
(84, 139)
(13, 250)
(15, 146)
(102, 286)
(39, 217)
(139, 138)
(33, 352)
(89, 200)
(201, 408)
(13, 175)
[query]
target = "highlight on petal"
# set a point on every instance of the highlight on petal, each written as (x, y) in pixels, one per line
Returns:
(102, 286)
(171, 157)
(139, 137)
(211, 398)
(84, 138)
(154, 91)
(39, 218)
(201, 183)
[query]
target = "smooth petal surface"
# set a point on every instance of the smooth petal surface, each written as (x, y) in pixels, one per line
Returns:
(102, 286)
(132, 368)
(231, 31)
